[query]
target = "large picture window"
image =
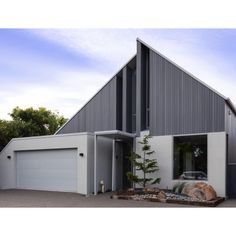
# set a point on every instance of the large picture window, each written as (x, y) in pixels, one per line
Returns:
(190, 157)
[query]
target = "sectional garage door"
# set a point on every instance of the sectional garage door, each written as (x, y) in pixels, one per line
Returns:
(54, 170)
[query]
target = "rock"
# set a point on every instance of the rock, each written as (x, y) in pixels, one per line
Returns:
(197, 193)
(187, 188)
(206, 191)
(210, 193)
(200, 185)
(161, 195)
(148, 190)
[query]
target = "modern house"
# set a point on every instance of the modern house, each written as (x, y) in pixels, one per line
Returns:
(193, 129)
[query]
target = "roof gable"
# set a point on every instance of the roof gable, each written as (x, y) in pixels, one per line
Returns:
(227, 99)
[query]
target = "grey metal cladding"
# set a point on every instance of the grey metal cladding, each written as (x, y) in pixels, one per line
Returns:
(130, 100)
(124, 101)
(179, 104)
(230, 127)
(98, 114)
(138, 87)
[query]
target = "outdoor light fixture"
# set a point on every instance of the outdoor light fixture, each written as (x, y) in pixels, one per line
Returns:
(81, 154)
(9, 157)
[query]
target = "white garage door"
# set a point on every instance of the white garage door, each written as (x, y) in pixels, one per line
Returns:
(54, 170)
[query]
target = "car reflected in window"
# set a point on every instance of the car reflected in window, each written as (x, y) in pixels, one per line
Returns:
(193, 175)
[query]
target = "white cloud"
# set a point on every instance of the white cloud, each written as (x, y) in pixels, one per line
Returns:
(72, 89)
(117, 46)
(110, 45)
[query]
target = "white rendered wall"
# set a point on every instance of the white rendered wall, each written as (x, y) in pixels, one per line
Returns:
(52, 142)
(90, 164)
(163, 147)
(217, 162)
(104, 162)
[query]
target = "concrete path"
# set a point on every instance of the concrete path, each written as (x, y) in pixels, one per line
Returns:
(29, 198)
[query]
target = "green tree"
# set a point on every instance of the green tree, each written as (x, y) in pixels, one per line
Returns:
(29, 122)
(144, 164)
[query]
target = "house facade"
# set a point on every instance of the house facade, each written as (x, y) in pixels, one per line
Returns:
(193, 129)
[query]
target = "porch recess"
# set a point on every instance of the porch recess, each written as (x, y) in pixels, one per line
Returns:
(115, 136)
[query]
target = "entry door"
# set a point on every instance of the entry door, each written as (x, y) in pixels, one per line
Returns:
(127, 167)
(231, 180)
(123, 165)
(53, 170)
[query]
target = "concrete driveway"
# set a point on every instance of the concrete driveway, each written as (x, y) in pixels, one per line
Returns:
(29, 198)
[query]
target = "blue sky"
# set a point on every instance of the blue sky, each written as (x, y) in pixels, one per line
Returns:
(62, 69)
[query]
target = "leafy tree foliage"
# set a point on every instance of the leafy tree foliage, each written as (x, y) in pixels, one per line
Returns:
(29, 122)
(144, 164)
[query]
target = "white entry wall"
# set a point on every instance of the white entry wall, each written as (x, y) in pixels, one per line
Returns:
(104, 163)
(216, 162)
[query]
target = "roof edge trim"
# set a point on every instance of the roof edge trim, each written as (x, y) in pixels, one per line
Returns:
(231, 105)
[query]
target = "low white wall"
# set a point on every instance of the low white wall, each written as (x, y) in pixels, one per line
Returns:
(79, 141)
(163, 147)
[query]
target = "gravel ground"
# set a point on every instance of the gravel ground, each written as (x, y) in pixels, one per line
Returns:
(30, 198)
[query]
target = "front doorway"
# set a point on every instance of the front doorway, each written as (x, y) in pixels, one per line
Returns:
(123, 164)
(111, 159)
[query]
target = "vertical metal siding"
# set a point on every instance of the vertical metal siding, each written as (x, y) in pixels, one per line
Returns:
(130, 100)
(98, 115)
(230, 126)
(179, 104)
(138, 87)
(124, 101)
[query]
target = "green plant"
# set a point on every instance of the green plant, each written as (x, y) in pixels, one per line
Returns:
(178, 187)
(144, 164)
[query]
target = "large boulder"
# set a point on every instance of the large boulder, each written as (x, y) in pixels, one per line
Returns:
(199, 190)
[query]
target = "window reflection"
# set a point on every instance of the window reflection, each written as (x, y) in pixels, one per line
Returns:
(190, 157)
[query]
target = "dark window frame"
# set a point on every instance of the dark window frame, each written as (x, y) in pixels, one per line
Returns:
(197, 171)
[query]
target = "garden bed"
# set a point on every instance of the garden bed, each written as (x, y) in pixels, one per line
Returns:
(166, 196)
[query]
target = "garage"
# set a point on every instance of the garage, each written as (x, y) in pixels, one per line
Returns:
(53, 170)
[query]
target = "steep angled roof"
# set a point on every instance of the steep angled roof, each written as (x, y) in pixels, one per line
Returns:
(227, 99)
(96, 93)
